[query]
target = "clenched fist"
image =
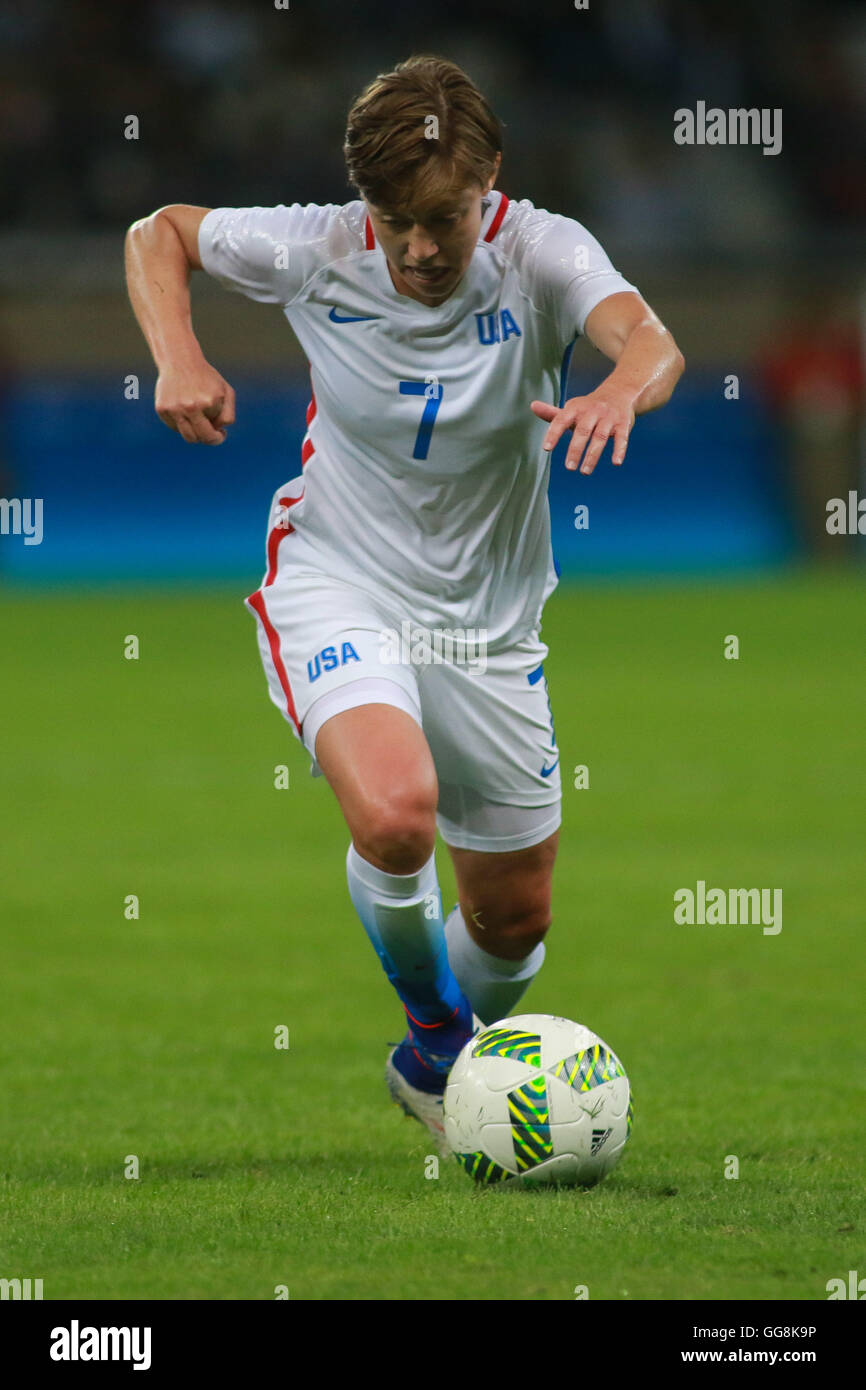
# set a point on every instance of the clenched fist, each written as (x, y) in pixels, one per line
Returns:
(196, 401)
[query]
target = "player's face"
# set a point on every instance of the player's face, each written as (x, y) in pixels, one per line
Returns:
(429, 249)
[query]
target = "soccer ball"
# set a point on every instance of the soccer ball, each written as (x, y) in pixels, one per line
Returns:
(538, 1099)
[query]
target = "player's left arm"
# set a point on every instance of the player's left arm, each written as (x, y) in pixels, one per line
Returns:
(648, 366)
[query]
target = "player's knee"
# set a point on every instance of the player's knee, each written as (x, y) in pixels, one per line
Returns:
(399, 833)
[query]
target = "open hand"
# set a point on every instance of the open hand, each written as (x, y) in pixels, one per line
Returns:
(593, 420)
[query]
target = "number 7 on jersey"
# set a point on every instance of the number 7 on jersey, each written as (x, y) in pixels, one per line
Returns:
(433, 392)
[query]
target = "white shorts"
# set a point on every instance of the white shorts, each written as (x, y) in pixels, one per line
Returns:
(328, 646)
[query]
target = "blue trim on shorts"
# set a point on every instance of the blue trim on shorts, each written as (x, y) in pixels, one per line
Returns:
(535, 676)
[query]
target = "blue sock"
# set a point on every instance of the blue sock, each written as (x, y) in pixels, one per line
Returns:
(402, 915)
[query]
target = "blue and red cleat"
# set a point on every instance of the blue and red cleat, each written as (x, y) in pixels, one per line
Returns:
(417, 1069)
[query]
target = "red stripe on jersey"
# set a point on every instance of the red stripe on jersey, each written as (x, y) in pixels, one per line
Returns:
(311, 410)
(368, 235)
(277, 535)
(257, 603)
(307, 451)
(497, 221)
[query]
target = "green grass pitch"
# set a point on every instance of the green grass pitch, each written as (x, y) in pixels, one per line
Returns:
(262, 1167)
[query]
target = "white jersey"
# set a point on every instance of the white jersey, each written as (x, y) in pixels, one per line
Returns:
(422, 472)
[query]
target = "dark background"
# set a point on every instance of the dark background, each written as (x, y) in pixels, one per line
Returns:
(753, 261)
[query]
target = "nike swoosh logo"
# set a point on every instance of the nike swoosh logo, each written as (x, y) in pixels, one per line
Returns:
(340, 318)
(546, 771)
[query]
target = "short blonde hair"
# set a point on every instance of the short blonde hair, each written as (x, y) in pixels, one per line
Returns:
(419, 133)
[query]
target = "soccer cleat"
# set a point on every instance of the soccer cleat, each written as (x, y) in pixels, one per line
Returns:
(425, 1106)
(408, 1065)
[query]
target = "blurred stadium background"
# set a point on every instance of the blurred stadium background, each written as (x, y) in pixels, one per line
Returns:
(754, 261)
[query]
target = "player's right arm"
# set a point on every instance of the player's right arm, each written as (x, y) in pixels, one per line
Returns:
(161, 252)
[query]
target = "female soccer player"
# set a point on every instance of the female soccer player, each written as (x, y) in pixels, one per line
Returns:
(409, 559)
